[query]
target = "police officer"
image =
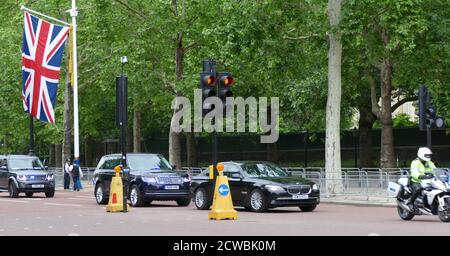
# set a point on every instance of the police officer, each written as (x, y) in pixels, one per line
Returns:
(67, 174)
(420, 166)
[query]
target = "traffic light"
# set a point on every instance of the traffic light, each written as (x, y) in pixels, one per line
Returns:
(433, 121)
(427, 112)
(225, 83)
(208, 86)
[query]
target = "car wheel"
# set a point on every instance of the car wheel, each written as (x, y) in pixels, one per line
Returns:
(184, 202)
(100, 196)
(29, 194)
(50, 193)
(13, 191)
(201, 199)
(258, 202)
(135, 196)
(308, 208)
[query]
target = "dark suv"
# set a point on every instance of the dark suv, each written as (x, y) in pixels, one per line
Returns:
(25, 174)
(151, 178)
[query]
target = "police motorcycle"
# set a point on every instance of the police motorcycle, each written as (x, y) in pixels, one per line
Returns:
(433, 200)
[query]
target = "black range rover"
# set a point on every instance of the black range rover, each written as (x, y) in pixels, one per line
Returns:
(151, 178)
(258, 186)
(25, 174)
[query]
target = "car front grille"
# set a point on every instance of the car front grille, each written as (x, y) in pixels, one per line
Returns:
(36, 177)
(169, 180)
(300, 189)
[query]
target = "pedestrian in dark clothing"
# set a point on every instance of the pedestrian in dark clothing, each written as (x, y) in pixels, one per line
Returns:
(76, 176)
(67, 175)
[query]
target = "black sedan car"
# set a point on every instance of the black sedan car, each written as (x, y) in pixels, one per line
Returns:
(25, 174)
(151, 178)
(258, 186)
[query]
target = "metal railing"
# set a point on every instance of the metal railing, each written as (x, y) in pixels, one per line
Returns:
(86, 180)
(355, 182)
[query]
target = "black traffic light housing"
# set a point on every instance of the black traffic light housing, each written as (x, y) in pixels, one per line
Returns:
(225, 81)
(433, 121)
(208, 86)
(427, 112)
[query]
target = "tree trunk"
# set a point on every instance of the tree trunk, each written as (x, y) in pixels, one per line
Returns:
(137, 131)
(68, 124)
(129, 146)
(387, 156)
(174, 149)
(174, 138)
(333, 109)
(191, 147)
(366, 120)
(58, 156)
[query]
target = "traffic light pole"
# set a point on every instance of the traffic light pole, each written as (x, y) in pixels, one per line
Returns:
(428, 136)
(214, 150)
(210, 66)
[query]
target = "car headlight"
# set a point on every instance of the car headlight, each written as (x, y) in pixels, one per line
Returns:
(50, 177)
(186, 179)
(149, 179)
(21, 177)
(273, 188)
(315, 187)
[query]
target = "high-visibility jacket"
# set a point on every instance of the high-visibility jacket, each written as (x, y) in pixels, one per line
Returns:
(417, 169)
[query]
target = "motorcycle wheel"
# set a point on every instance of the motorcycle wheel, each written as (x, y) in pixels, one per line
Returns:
(444, 216)
(404, 215)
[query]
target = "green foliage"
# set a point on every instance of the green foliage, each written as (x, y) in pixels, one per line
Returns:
(401, 120)
(273, 48)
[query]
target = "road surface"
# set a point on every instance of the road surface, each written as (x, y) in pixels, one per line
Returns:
(76, 213)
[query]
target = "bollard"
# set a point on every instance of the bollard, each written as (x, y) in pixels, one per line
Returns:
(222, 207)
(115, 203)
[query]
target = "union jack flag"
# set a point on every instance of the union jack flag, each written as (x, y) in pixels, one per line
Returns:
(42, 50)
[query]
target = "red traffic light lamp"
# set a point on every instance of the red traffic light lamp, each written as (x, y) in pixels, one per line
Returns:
(225, 82)
(208, 79)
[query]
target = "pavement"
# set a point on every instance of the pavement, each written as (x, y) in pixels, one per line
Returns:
(361, 200)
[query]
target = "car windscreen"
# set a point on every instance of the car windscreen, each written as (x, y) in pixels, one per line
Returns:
(148, 162)
(263, 170)
(25, 163)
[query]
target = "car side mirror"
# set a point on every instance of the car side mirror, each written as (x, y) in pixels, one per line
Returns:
(173, 166)
(46, 167)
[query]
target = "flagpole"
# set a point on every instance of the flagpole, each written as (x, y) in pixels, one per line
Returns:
(43, 15)
(76, 141)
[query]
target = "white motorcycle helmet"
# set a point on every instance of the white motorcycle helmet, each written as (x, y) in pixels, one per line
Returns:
(424, 154)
